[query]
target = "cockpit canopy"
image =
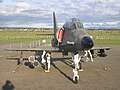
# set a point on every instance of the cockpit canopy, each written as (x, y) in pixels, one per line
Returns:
(73, 23)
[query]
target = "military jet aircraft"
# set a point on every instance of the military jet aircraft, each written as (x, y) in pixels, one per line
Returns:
(72, 37)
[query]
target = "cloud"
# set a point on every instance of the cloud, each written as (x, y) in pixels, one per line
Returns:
(115, 24)
(107, 1)
(36, 11)
(18, 0)
(13, 9)
(1, 1)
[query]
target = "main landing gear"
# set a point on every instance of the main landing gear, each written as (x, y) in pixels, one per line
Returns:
(46, 56)
(88, 56)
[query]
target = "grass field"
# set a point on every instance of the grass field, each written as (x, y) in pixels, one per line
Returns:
(106, 36)
(99, 36)
(23, 36)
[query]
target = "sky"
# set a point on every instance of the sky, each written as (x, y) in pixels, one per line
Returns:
(38, 13)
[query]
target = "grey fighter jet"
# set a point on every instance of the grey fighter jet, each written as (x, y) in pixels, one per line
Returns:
(72, 37)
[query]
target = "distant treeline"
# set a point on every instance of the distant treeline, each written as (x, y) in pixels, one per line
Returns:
(38, 29)
(104, 29)
(23, 29)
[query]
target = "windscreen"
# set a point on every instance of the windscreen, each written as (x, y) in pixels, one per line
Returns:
(72, 24)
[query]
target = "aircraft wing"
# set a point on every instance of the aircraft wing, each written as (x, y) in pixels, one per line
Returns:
(49, 49)
(100, 51)
(100, 48)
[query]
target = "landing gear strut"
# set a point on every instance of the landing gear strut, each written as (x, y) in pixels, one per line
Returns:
(46, 56)
(88, 56)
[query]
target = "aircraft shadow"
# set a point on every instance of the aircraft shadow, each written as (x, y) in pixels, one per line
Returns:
(29, 65)
(25, 63)
(8, 85)
(42, 65)
(65, 60)
(61, 59)
(69, 78)
(68, 63)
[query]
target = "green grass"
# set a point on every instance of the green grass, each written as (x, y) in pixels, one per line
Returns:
(17, 36)
(23, 36)
(111, 37)
(108, 41)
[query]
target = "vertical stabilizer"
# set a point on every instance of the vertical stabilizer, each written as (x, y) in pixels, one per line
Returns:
(54, 40)
(55, 23)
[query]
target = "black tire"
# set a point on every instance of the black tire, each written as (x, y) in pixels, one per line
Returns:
(76, 80)
(31, 66)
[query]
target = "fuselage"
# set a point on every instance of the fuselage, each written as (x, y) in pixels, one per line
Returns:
(74, 37)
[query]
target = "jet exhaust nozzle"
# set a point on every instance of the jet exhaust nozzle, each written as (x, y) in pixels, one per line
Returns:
(87, 42)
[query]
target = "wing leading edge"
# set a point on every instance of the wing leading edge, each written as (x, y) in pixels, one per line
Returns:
(51, 49)
(98, 48)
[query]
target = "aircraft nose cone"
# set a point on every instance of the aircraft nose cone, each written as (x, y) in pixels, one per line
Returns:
(87, 42)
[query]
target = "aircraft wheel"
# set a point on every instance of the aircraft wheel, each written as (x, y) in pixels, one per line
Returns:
(36, 64)
(31, 66)
(76, 80)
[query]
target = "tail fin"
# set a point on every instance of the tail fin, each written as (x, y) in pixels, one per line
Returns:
(55, 23)
(54, 41)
